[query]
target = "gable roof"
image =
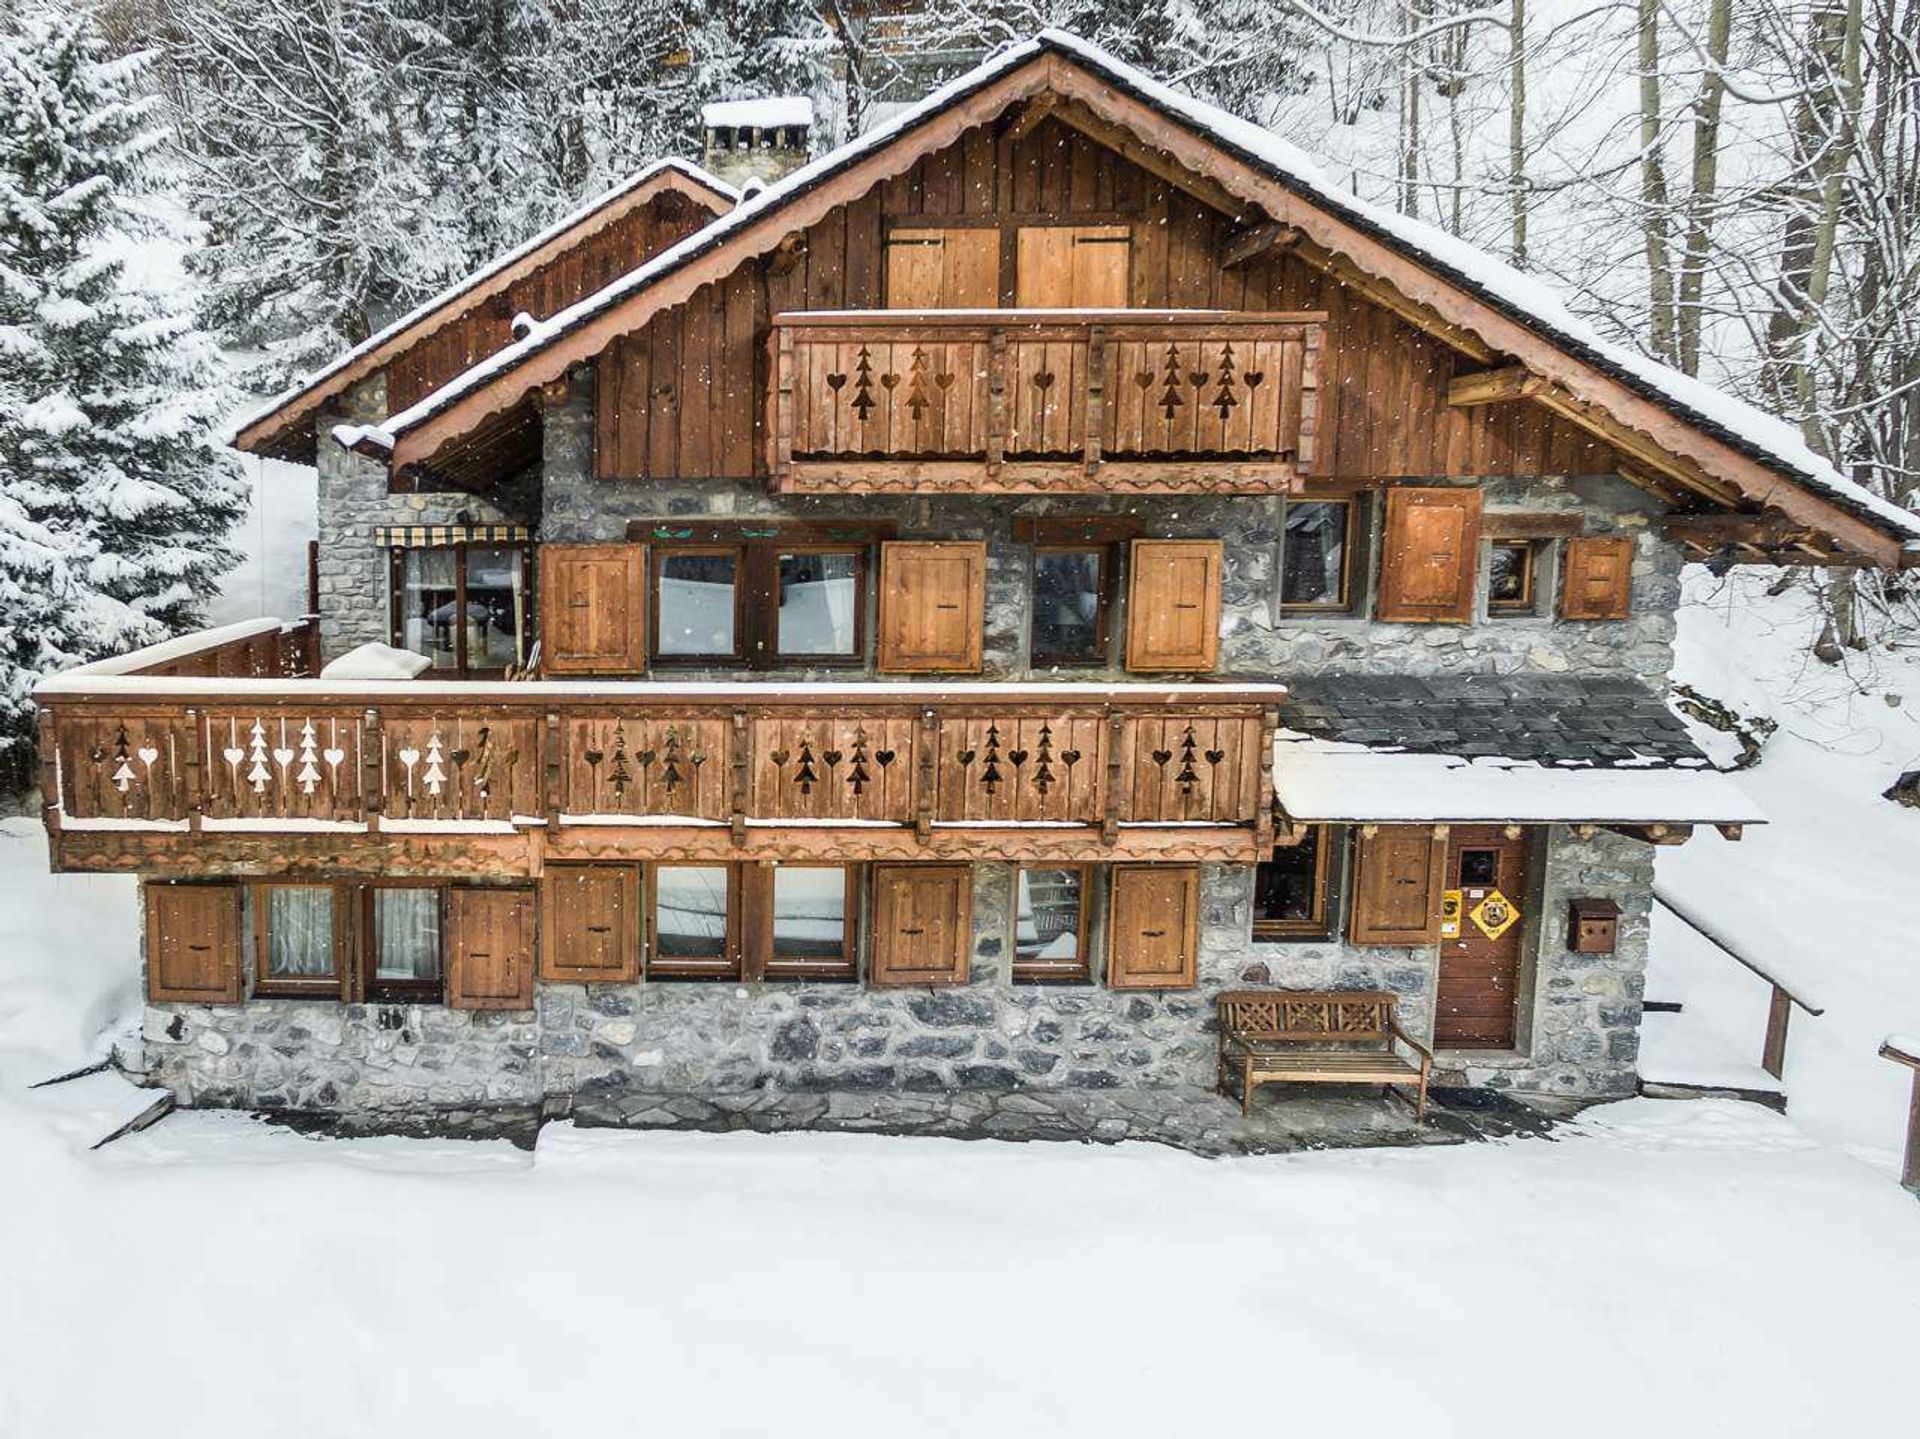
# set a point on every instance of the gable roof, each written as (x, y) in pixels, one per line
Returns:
(1762, 457)
(269, 424)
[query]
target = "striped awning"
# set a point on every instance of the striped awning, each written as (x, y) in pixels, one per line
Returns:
(414, 536)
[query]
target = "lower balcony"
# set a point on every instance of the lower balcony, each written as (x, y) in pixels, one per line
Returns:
(226, 755)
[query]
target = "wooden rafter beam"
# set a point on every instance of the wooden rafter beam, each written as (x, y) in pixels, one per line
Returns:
(1244, 244)
(1660, 834)
(1339, 268)
(1493, 387)
(1032, 116)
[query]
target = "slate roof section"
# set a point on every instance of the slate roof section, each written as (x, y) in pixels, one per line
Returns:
(1546, 719)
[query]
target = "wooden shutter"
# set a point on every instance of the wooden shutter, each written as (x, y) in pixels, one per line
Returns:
(1598, 582)
(1429, 555)
(490, 948)
(1072, 267)
(193, 943)
(922, 923)
(591, 929)
(1154, 929)
(944, 269)
(1173, 605)
(593, 609)
(1399, 872)
(933, 605)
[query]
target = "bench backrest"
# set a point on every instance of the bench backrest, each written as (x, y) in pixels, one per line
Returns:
(1305, 1013)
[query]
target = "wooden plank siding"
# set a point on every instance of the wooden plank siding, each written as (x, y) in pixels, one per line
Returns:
(671, 393)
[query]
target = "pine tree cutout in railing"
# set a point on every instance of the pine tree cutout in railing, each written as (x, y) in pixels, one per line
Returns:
(620, 772)
(123, 762)
(990, 762)
(1187, 777)
(434, 777)
(917, 397)
(857, 774)
(1043, 760)
(671, 760)
(308, 775)
(806, 776)
(1223, 399)
(1170, 398)
(863, 400)
(258, 774)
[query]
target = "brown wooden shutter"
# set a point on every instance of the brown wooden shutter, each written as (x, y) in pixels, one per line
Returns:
(490, 948)
(1429, 555)
(1399, 872)
(194, 943)
(593, 609)
(590, 932)
(1154, 929)
(1072, 267)
(944, 269)
(933, 605)
(1598, 581)
(922, 923)
(1173, 605)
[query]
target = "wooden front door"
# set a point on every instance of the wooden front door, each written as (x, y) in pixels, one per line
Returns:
(1480, 939)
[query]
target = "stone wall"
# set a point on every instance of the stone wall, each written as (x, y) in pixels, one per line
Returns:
(1579, 1018)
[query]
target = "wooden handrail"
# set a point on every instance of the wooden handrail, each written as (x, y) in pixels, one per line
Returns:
(1773, 1051)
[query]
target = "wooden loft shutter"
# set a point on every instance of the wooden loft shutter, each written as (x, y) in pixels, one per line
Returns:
(591, 933)
(193, 943)
(1429, 555)
(1072, 267)
(944, 269)
(490, 948)
(1154, 931)
(1598, 583)
(933, 606)
(1173, 605)
(593, 609)
(922, 924)
(1399, 871)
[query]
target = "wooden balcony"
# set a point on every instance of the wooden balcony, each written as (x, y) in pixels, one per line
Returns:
(1043, 401)
(199, 774)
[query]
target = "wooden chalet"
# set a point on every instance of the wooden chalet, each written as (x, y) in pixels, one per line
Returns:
(938, 622)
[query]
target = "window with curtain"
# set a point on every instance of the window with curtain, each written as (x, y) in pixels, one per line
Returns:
(465, 607)
(293, 939)
(405, 957)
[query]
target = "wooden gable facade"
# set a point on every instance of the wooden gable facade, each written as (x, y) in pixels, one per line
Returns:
(684, 395)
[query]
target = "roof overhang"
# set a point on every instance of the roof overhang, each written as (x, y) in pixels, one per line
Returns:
(270, 430)
(1332, 781)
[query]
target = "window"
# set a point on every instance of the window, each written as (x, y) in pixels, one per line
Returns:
(404, 945)
(1511, 583)
(1052, 926)
(293, 940)
(1291, 890)
(754, 921)
(1070, 589)
(759, 604)
(465, 606)
(1315, 569)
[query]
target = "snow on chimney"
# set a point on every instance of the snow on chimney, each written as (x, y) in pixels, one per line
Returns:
(756, 139)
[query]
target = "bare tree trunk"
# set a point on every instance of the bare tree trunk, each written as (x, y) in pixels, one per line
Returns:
(1703, 185)
(1409, 111)
(1833, 175)
(1517, 130)
(1653, 189)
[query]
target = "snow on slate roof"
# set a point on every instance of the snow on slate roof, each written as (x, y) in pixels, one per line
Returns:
(772, 112)
(1323, 780)
(1768, 438)
(480, 276)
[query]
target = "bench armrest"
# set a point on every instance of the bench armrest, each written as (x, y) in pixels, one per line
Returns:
(1426, 1055)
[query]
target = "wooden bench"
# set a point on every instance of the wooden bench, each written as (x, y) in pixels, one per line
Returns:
(1317, 1037)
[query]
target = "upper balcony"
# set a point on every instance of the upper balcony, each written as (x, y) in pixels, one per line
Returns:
(220, 752)
(1039, 401)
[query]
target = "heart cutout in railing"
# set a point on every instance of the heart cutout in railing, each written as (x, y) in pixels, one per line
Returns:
(1017, 756)
(780, 758)
(1214, 756)
(835, 382)
(1253, 378)
(1144, 379)
(1069, 757)
(883, 757)
(832, 757)
(889, 380)
(945, 381)
(1162, 756)
(1198, 379)
(1042, 379)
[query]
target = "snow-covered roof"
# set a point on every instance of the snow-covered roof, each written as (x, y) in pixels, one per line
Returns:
(1323, 780)
(1523, 298)
(479, 277)
(772, 112)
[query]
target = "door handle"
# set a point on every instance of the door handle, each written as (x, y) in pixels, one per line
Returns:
(599, 929)
(1153, 934)
(913, 931)
(478, 954)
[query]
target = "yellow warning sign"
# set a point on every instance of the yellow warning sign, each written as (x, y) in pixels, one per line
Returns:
(1494, 915)
(1450, 914)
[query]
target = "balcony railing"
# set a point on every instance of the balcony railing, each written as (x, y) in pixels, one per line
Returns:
(639, 767)
(1043, 400)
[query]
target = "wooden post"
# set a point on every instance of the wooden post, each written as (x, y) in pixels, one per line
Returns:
(555, 784)
(1910, 1169)
(780, 432)
(1110, 801)
(741, 781)
(1773, 1057)
(927, 741)
(372, 765)
(1093, 417)
(313, 579)
(996, 401)
(197, 797)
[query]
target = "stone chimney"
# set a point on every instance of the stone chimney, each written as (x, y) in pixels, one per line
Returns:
(756, 139)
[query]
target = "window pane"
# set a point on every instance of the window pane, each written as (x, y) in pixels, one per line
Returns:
(818, 595)
(429, 617)
(1047, 922)
(690, 921)
(1314, 559)
(696, 604)
(496, 608)
(1066, 605)
(1285, 888)
(299, 932)
(1507, 577)
(406, 934)
(809, 913)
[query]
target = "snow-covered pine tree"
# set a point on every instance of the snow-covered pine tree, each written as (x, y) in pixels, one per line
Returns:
(108, 394)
